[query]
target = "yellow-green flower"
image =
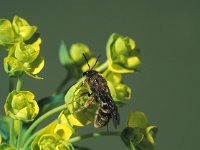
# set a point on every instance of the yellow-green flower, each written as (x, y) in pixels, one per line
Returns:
(75, 98)
(119, 91)
(21, 106)
(22, 28)
(18, 31)
(55, 136)
(24, 58)
(122, 54)
(138, 134)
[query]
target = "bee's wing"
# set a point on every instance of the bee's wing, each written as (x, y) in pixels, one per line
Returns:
(107, 98)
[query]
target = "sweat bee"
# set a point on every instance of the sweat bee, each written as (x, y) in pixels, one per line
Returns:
(106, 108)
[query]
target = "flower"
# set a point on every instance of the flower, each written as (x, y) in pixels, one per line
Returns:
(54, 136)
(122, 54)
(21, 106)
(24, 58)
(17, 31)
(75, 98)
(22, 28)
(138, 134)
(119, 91)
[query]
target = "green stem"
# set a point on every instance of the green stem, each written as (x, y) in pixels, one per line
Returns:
(19, 84)
(78, 138)
(103, 67)
(19, 135)
(42, 118)
(12, 133)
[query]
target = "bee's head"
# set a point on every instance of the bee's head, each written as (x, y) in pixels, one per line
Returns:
(89, 73)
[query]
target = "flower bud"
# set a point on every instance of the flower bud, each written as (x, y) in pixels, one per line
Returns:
(77, 50)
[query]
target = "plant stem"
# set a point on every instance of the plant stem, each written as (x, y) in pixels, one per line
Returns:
(18, 88)
(19, 135)
(102, 67)
(19, 84)
(40, 119)
(12, 133)
(104, 133)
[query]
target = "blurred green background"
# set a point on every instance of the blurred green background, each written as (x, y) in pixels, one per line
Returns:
(167, 32)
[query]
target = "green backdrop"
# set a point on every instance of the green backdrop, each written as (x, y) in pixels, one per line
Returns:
(167, 32)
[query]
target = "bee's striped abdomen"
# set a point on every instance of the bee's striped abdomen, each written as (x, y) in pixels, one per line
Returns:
(102, 117)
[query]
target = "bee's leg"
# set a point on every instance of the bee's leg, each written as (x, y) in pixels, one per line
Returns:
(86, 105)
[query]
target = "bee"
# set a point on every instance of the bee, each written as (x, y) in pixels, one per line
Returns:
(106, 109)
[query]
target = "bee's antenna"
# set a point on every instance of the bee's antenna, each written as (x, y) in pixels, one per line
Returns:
(86, 60)
(96, 61)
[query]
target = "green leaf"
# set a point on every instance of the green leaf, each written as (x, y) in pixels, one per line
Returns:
(64, 54)
(137, 119)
